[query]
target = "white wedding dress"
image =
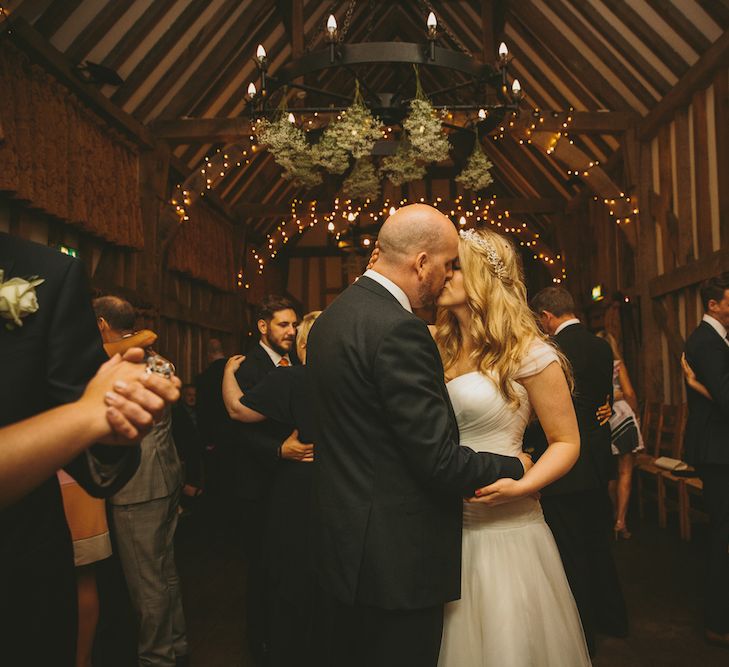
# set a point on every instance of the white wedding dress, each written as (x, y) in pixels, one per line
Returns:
(516, 607)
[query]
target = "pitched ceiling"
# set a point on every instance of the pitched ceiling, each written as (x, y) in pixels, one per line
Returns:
(193, 58)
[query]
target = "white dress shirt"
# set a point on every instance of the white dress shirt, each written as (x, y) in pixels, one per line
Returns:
(275, 356)
(564, 325)
(717, 326)
(391, 287)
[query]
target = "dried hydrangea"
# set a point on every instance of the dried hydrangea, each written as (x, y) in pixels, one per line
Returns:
(363, 182)
(424, 130)
(355, 130)
(476, 175)
(403, 166)
(330, 154)
(287, 143)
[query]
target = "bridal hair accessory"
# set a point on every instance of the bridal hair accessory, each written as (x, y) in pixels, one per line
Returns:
(492, 256)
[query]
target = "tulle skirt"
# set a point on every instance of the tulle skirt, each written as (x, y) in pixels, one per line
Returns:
(516, 607)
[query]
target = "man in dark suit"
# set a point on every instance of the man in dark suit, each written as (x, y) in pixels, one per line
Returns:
(213, 423)
(258, 448)
(707, 444)
(576, 506)
(43, 363)
(390, 476)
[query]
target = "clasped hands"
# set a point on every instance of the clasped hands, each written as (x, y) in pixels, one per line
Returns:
(125, 399)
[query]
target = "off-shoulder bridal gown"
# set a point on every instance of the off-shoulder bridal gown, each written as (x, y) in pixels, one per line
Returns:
(516, 607)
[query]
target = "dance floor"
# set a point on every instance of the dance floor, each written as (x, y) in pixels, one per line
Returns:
(659, 572)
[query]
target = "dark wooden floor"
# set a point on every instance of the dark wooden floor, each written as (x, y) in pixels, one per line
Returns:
(661, 577)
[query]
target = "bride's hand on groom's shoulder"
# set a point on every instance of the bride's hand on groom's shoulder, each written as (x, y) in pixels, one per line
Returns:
(501, 491)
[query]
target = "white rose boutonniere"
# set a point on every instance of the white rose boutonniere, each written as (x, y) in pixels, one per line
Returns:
(18, 299)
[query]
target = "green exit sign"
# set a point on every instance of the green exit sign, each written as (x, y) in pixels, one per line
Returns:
(68, 250)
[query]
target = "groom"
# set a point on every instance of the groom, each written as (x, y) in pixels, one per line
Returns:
(390, 474)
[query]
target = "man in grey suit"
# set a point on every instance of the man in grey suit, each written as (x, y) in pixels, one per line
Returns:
(144, 519)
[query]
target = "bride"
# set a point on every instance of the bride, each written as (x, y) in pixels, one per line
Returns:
(516, 607)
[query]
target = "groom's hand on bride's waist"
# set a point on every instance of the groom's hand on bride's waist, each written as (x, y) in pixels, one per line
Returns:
(502, 491)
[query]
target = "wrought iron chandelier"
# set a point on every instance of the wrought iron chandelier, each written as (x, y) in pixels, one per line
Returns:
(488, 80)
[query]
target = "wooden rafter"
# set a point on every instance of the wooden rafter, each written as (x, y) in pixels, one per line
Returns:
(623, 45)
(698, 76)
(90, 36)
(229, 130)
(205, 34)
(568, 17)
(142, 27)
(161, 47)
(650, 38)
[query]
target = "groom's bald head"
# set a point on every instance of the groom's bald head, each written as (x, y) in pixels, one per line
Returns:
(417, 247)
(413, 229)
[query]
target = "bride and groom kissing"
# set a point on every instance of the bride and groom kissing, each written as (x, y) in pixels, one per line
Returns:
(431, 546)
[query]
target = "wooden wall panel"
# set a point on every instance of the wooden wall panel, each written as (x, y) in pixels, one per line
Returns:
(682, 233)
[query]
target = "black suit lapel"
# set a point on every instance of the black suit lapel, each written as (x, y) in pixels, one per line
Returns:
(707, 327)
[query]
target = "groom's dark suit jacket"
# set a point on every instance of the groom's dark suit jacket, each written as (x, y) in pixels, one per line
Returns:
(45, 363)
(389, 471)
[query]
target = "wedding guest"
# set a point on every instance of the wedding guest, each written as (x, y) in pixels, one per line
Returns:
(707, 444)
(49, 350)
(213, 422)
(188, 441)
(144, 519)
(576, 506)
(285, 396)
(625, 436)
(258, 448)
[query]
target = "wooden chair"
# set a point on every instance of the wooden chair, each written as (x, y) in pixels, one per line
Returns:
(673, 426)
(690, 487)
(652, 423)
(650, 428)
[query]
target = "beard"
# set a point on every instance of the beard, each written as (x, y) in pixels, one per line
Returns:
(278, 346)
(428, 291)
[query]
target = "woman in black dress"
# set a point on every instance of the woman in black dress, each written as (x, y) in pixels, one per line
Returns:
(284, 395)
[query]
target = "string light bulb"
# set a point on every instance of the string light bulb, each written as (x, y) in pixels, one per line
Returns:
(331, 24)
(252, 89)
(503, 52)
(291, 118)
(260, 53)
(432, 22)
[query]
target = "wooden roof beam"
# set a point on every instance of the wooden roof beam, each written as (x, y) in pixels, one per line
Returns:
(215, 130)
(698, 76)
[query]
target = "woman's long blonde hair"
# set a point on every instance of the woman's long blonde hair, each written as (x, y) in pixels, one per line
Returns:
(502, 327)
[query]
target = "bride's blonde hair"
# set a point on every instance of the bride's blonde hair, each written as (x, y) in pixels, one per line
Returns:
(502, 327)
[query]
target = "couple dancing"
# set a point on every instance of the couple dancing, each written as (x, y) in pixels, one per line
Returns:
(408, 429)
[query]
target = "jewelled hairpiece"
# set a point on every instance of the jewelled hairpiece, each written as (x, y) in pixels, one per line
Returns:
(492, 256)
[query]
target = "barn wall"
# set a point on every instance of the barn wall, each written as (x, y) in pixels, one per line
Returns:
(680, 178)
